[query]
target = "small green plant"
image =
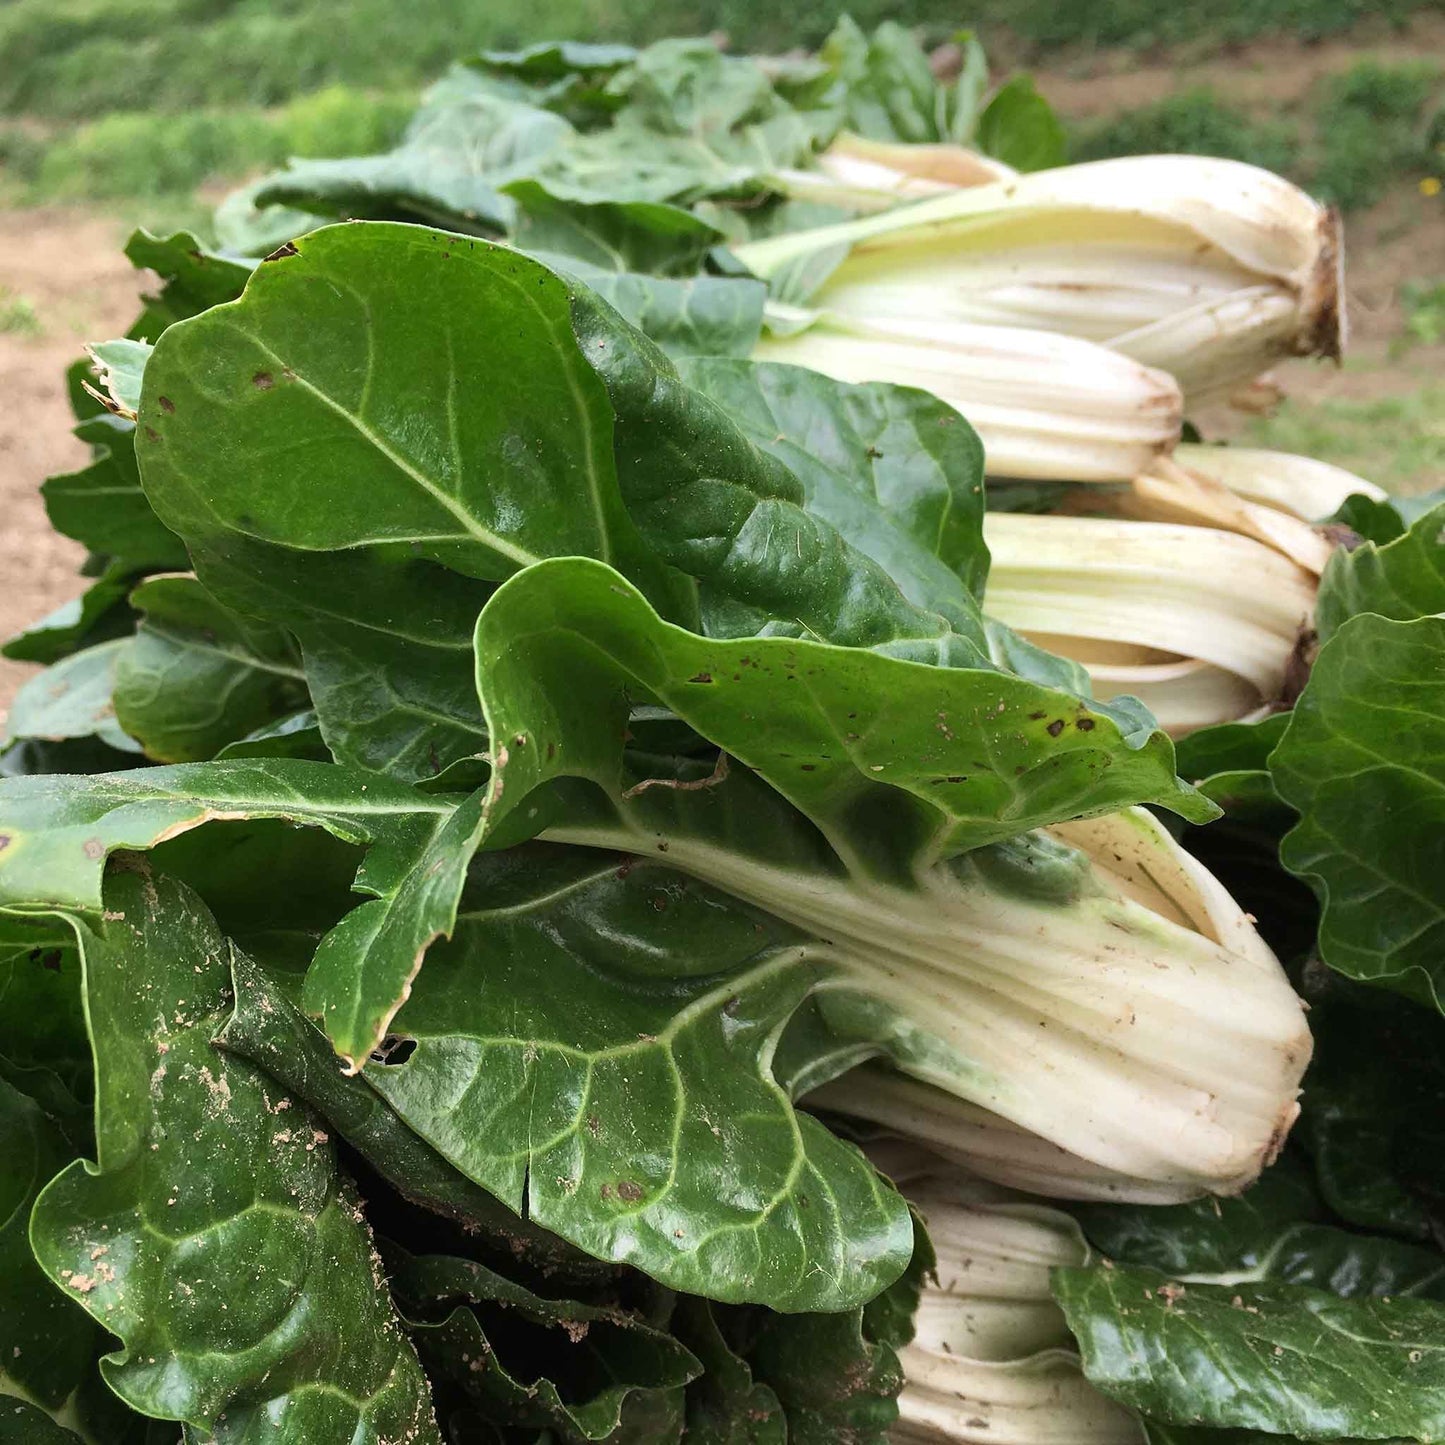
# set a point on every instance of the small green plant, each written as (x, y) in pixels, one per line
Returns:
(17, 315)
(1195, 122)
(1424, 306)
(1371, 127)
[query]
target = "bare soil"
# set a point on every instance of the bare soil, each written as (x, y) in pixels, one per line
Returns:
(67, 264)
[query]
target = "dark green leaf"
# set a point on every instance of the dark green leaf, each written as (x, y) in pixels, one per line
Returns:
(267, 1028)
(1371, 1120)
(97, 615)
(462, 147)
(899, 763)
(73, 699)
(313, 492)
(532, 1361)
(1230, 762)
(22, 1424)
(647, 236)
(725, 1405)
(1019, 127)
(195, 278)
(611, 1079)
(897, 473)
(57, 833)
(103, 506)
(214, 1234)
(198, 676)
(889, 92)
(47, 1344)
(1402, 580)
(1363, 762)
(1276, 1357)
(701, 316)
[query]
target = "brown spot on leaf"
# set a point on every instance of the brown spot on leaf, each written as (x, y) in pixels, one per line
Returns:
(93, 848)
(282, 251)
(166, 405)
(1085, 724)
(629, 1191)
(263, 381)
(1055, 727)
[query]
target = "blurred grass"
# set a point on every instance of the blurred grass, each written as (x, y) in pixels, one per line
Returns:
(78, 59)
(1358, 133)
(1397, 441)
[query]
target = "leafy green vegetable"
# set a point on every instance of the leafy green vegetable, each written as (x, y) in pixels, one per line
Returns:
(1363, 762)
(1281, 1358)
(214, 1234)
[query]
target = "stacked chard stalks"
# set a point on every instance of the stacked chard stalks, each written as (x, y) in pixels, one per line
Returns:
(1074, 315)
(710, 553)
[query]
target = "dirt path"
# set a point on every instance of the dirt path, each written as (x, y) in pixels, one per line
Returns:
(67, 264)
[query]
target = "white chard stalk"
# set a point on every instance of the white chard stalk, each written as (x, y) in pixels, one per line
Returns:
(869, 176)
(911, 1114)
(1092, 984)
(991, 1360)
(1300, 486)
(1046, 406)
(1200, 624)
(1208, 269)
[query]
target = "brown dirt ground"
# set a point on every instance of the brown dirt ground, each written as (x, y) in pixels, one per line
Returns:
(68, 265)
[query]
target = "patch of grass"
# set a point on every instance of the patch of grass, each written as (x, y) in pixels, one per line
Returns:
(143, 155)
(1373, 125)
(1194, 122)
(1424, 307)
(1398, 441)
(17, 315)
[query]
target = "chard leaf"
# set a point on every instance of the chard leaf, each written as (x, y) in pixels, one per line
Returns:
(834, 1382)
(120, 366)
(214, 1234)
(97, 615)
(22, 1424)
(73, 699)
(889, 92)
(269, 1030)
(646, 236)
(898, 473)
(610, 1078)
(725, 1404)
(56, 832)
(328, 497)
(1372, 1124)
(1280, 1358)
(584, 1371)
(1402, 580)
(103, 507)
(898, 763)
(47, 1344)
(1230, 761)
(1020, 128)
(195, 278)
(1274, 1231)
(462, 146)
(699, 316)
(198, 676)
(1363, 762)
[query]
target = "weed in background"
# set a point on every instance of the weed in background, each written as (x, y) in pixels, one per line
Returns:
(1373, 124)
(1194, 122)
(1424, 307)
(143, 155)
(17, 315)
